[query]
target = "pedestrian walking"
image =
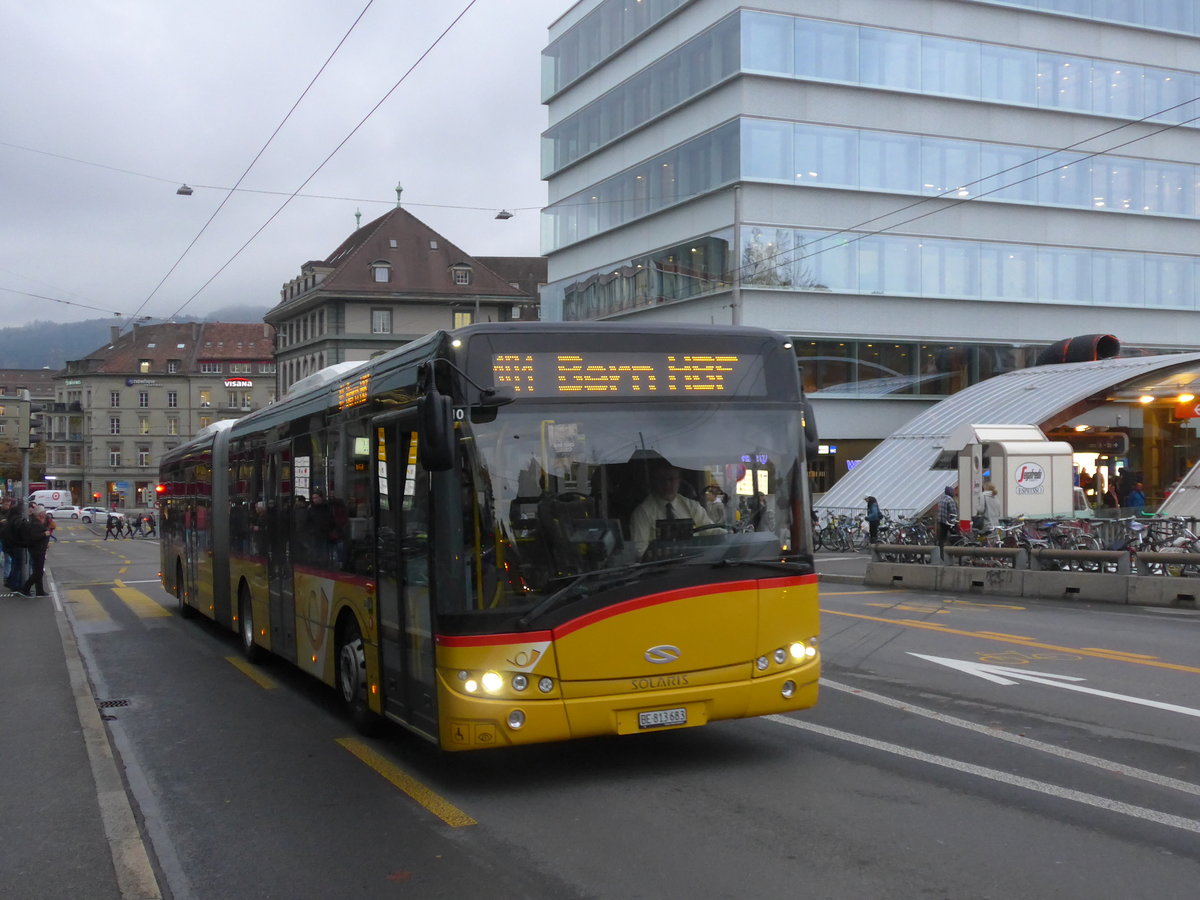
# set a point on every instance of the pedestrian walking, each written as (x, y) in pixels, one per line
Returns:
(874, 517)
(947, 515)
(150, 528)
(37, 536)
(134, 526)
(113, 525)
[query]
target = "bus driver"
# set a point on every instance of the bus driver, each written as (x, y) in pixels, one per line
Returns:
(664, 502)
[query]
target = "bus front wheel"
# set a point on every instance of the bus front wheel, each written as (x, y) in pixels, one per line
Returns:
(352, 680)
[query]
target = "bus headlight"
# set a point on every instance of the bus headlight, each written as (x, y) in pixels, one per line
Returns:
(762, 662)
(788, 688)
(470, 685)
(492, 682)
(781, 656)
(545, 684)
(520, 682)
(516, 719)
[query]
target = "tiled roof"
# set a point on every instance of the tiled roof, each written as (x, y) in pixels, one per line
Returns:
(188, 342)
(420, 261)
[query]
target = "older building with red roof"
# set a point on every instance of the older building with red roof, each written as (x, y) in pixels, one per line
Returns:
(391, 281)
(117, 410)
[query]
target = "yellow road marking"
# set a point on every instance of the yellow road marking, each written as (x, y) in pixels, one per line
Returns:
(267, 684)
(87, 607)
(987, 636)
(825, 593)
(1122, 653)
(439, 806)
(1003, 634)
(141, 605)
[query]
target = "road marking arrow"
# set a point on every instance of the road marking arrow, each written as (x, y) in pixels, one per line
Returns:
(1006, 675)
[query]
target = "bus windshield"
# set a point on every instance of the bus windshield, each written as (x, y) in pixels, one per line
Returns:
(560, 494)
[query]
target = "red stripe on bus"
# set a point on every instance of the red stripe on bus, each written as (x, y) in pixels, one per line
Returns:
(490, 640)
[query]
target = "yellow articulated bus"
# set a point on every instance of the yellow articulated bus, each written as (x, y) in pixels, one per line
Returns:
(518, 533)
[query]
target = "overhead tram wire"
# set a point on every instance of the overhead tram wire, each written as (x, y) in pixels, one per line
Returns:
(257, 156)
(958, 201)
(339, 146)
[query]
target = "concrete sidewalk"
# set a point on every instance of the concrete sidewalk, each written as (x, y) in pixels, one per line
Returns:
(68, 828)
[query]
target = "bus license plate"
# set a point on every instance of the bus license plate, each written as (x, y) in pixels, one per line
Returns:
(657, 718)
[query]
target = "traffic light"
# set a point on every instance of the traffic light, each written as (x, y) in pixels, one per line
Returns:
(23, 420)
(29, 421)
(36, 424)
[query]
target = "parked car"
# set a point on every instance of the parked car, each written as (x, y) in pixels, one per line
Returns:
(91, 514)
(65, 512)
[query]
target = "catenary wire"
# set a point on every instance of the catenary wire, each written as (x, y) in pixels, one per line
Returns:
(332, 152)
(257, 156)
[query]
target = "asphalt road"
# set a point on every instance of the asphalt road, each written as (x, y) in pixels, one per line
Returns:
(963, 747)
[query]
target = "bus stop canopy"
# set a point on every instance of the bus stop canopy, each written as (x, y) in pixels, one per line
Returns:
(900, 473)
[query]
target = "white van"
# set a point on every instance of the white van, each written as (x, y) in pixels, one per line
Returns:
(52, 499)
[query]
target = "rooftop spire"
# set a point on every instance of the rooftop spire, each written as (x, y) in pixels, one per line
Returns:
(399, 191)
(357, 219)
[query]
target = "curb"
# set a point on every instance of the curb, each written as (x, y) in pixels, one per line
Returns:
(135, 875)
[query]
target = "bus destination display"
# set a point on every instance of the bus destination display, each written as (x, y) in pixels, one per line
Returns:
(632, 374)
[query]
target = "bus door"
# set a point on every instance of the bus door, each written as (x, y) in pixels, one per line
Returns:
(402, 567)
(278, 490)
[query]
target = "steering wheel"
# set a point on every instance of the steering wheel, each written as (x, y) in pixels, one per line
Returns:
(571, 497)
(709, 527)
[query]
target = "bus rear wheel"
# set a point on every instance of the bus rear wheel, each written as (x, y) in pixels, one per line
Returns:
(185, 611)
(250, 650)
(352, 680)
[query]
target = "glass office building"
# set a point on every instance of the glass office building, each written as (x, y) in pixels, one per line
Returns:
(923, 193)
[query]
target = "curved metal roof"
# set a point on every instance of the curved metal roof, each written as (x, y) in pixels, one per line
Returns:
(897, 471)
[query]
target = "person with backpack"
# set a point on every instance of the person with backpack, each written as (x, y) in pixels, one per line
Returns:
(874, 517)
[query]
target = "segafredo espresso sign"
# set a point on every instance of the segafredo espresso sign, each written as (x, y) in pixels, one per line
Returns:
(1029, 478)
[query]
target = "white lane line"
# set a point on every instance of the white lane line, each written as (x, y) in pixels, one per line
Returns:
(1029, 784)
(1107, 765)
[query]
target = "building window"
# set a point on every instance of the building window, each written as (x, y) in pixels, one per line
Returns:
(205, 398)
(173, 399)
(114, 399)
(143, 457)
(381, 321)
(463, 319)
(143, 399)
(381, 272)
(143, 367)
(462, 275)
(114, 424)
(210, 368)
(205, 421)
(114, 455)
(172, 366)
(172, 425)
(143, 425)
(239, 368)
(266, 368)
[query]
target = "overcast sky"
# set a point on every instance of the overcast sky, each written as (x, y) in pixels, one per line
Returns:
(171, 92)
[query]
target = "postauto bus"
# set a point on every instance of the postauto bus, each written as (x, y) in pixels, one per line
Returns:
(463, 535)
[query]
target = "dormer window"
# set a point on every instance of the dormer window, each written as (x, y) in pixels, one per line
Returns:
(462, 274)
(381, 271)
(143, 367)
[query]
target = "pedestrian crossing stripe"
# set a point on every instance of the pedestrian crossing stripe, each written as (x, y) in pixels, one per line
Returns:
(141, 604)
(87, 607)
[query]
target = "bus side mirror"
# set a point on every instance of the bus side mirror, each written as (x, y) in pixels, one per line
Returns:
(436, 431)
